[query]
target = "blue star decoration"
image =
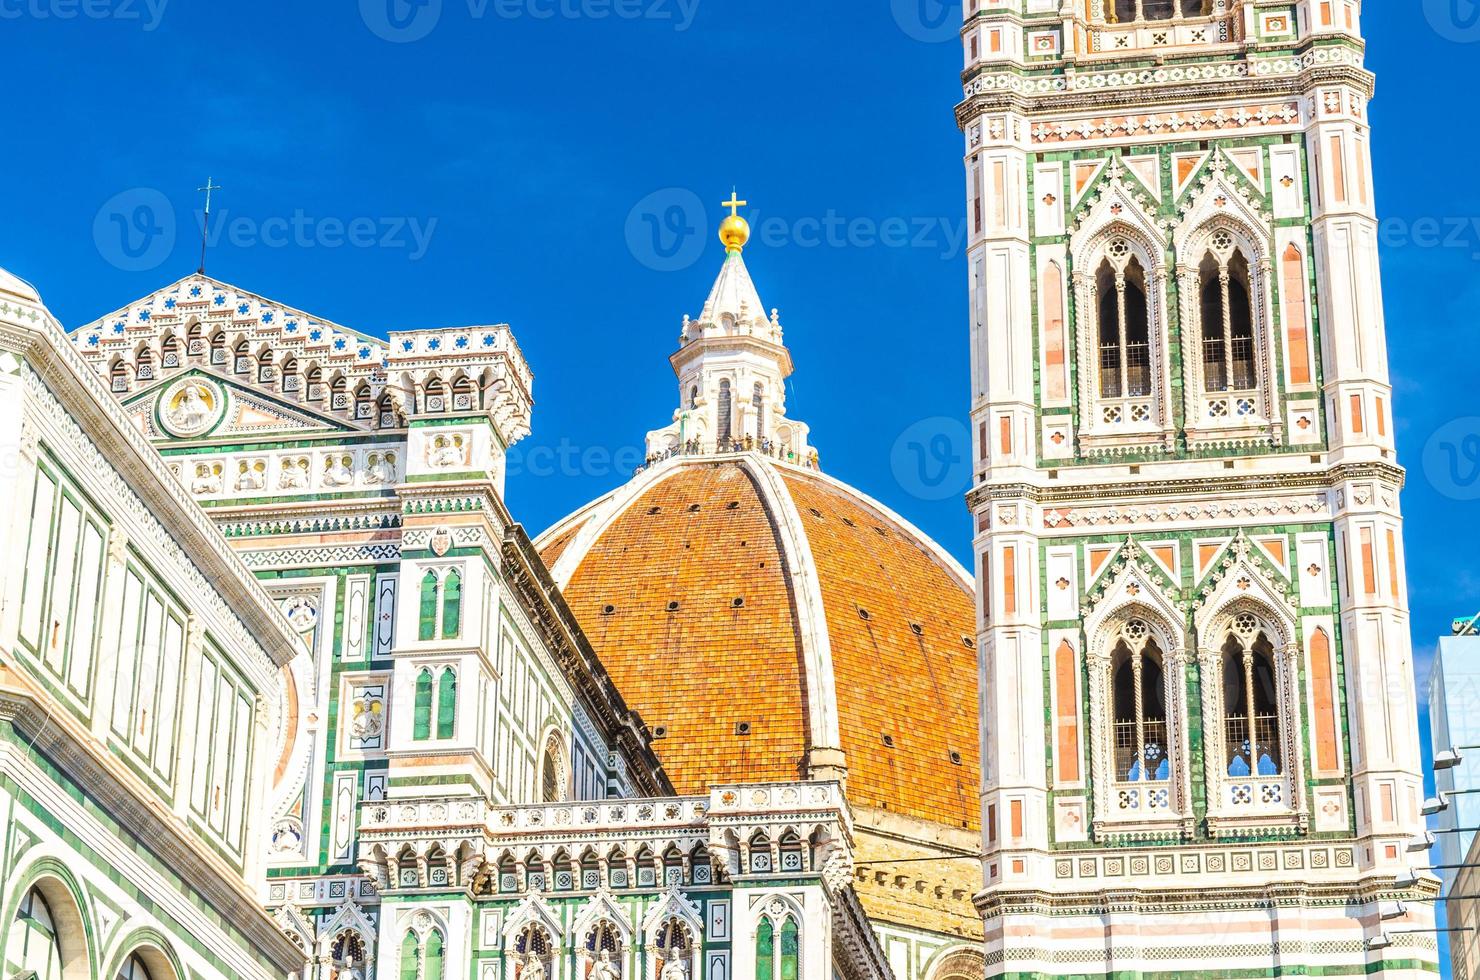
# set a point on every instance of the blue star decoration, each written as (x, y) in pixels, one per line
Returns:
(194, 290)
(488, 340)
(267, 318)
(315, 334)
(291, 326)
(406, 346)
(364, 353)
(434, 344)
(462, 342)
(169, 304)
(143, 316)
(118, 327)
(220, 300)
(92, 340)
(243, 308)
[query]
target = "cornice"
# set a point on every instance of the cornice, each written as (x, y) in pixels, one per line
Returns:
(1262, 896)
(1151, 488)
(1078, 93)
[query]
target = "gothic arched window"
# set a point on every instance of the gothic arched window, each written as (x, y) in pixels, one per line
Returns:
(778, 949)
(447, 703)
(1124, 325)
(1251, 705)
(451, 606)
(1227, 318)
(1139, 708)
(427, 620)
(552, 770)
(723, 433)
(421, 718)
(33, 943)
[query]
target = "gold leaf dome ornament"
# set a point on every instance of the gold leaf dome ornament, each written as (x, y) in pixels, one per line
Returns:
(734, 231)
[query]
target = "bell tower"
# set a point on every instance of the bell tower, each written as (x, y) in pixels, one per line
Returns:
(1199, 734)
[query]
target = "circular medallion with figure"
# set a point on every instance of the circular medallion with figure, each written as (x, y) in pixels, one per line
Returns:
(191, 406)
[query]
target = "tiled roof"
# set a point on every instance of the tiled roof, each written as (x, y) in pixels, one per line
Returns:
(696, 672)
(707, 536)
(917, 687)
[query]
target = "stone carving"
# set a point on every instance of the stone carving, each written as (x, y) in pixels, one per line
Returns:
(191, 407)
(302, 612)
(382, 469)
(251, 475)
(208, 479)
(287, 836)
(674, 969)
(294, 474)
(603, 968)
(447, 451)
(338, 471)
(367, 721)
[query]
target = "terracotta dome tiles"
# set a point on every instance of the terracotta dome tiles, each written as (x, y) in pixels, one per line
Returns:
(698, 671)
(729, 652)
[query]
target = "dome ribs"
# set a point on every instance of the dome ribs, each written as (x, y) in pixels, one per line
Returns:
(895, 618)
(706, 667)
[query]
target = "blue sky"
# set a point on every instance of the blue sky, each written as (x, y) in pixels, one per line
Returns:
(513, 160)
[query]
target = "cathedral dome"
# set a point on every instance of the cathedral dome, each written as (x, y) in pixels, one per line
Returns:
(769, 623)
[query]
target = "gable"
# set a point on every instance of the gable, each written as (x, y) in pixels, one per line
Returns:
(201, 404)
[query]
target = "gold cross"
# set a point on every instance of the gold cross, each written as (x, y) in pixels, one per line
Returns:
(734, 204)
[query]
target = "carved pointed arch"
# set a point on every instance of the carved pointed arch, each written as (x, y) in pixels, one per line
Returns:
(349, 917)
(673, 905)
(602, 907)
(1222, 218)
(291, 920)
(1243, 576)
(1133, 582)
(534, 910)
(1119, 256)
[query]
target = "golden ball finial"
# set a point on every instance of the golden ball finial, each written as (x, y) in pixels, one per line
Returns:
(734, 231)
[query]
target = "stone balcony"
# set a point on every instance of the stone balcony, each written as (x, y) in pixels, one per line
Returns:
(742, 830)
